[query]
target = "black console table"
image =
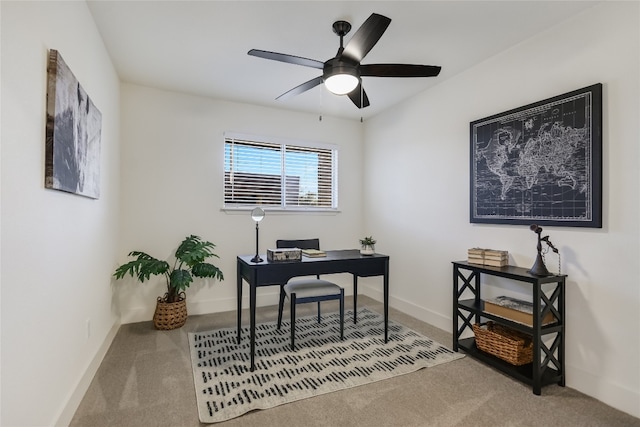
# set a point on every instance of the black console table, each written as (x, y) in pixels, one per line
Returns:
(548, 364)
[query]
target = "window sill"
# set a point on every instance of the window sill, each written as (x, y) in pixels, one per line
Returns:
(281, 211)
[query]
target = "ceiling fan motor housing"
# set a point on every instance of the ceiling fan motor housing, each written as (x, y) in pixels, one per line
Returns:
(340, 66)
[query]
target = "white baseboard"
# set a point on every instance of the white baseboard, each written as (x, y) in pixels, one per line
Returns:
(83, 385)
(136, 314)
(614, 395)
(229, 304)
(586, 382)
(431, 317)
(145, 314)
(267, 295)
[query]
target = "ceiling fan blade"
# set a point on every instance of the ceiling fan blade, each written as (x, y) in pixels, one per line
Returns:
(366, 37)
(399, 70)
(302, 88)
(354, 95)
(290, 59)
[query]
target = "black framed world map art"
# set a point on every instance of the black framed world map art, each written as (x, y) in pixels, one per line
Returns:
(541, 163)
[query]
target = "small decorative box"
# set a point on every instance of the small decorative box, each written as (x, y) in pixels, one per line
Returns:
(284, 255)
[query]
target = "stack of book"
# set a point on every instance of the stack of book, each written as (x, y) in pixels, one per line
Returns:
(514, 309)
(313, 253)
(490, 257)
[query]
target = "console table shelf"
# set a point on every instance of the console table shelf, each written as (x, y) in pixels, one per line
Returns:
(548, 294)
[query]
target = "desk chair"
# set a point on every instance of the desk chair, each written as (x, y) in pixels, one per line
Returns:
(305, 290)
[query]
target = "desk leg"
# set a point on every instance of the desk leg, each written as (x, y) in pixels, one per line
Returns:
(252, 303)
(239, 297)
(386, 302)
(355, 298)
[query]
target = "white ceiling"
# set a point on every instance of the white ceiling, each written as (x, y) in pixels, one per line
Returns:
(200, 47)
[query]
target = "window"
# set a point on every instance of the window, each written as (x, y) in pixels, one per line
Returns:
(276, 174)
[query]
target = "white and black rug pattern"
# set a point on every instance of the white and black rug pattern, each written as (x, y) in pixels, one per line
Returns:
(225, 388)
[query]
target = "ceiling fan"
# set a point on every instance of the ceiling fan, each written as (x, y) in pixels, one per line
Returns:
(343, 74)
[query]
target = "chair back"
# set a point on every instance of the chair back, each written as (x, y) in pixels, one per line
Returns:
(302, 244)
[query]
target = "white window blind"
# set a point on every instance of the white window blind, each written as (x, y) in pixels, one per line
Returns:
(278, 174)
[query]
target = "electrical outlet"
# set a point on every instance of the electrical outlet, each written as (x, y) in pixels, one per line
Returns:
(88, 328)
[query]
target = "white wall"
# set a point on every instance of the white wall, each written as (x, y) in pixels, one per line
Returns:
(172, 175)
(58, 249)
(428, 224)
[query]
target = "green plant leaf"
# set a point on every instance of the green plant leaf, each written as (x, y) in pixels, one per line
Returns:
(143, 267)
(191, 253)
(194, 250)
(205, 269)
(369, 241)
(180, 279)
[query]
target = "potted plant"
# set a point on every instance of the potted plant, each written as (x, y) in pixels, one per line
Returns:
(190, 257)
(367, 246)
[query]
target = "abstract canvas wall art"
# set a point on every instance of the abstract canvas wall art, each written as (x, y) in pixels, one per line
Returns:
(73, 133)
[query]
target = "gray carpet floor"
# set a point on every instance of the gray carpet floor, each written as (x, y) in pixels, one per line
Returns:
(146, 380)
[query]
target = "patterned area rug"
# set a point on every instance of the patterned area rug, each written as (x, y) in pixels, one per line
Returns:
(225, 388)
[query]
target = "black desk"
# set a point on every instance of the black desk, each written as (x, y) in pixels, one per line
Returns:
(276, 273)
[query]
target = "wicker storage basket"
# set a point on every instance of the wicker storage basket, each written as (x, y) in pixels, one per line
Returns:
(505, 343)
(170, 315)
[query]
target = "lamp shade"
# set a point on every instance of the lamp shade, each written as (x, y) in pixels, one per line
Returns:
(340, 77)
(341, 84)
(257, 214)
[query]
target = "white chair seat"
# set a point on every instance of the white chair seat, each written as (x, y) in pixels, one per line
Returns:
(310, 288)
(304, 290)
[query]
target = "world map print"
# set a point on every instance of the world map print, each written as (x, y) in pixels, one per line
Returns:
(536, 164)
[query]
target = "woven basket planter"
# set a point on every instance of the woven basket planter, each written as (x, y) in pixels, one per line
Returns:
(505, 343)
(170, 315)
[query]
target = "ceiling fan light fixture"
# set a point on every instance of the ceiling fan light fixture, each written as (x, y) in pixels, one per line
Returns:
(340, 77)
(342, 74)
(341, 84)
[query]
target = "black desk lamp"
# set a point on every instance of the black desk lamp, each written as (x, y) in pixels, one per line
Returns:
(257, 214)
